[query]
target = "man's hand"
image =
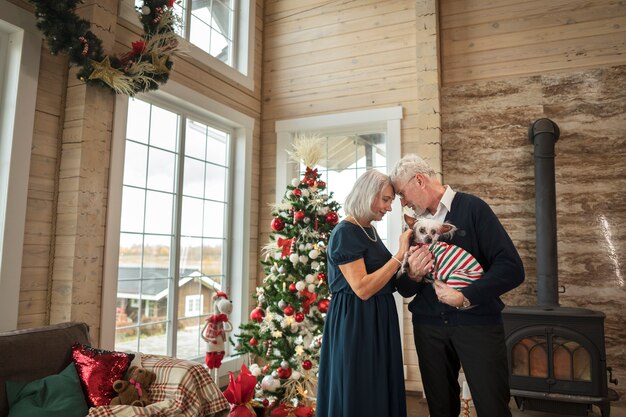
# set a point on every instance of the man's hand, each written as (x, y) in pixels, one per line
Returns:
(420, 262)
(448, 295)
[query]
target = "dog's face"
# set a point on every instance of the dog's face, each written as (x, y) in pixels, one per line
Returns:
(427, 231)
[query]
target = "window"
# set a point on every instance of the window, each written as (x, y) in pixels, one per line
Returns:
(20, 48)
(220, 33)
(171, 239)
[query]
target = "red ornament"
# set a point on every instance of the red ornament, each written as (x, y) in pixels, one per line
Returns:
(321, 185)
(266, 368)
(297, 192)
(277, 224)
(253, 342)
(311, 182)
(284, 373)
(266, 402)
(332, 218)
(322, 305)
(307, 364)
(257, 314)
(299, 317)
(288, 311)
(321, 276)
(298, 215)
(292, 287)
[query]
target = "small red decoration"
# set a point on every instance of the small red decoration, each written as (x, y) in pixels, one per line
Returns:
(299, 317)
(266, 368)
(321, 276)
(266, 402)
(311, 182)
(309, 298)
(292, 287)
(322, 305)
(298, 215)
(284, 410)
(332, 218)
(277, 224)
(288, 311)
(284, 373)
(253, 342)
(285, 245)
(307, 364)
(240, 392)
(138, 47)
(257, 314)
(297, 192)
(321, 185)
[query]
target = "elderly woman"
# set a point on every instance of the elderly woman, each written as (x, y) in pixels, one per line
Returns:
(361, 370)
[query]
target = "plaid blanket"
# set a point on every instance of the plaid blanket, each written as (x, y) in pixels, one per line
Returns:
(181, 389)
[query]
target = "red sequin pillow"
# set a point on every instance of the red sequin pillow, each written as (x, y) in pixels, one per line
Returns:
(97, 370)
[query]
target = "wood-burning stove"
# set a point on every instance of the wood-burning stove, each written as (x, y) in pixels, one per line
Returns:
(557, 357)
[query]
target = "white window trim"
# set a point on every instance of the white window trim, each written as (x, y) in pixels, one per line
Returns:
(241, 183)
(244, 73)
(19, 75)
(388, 118)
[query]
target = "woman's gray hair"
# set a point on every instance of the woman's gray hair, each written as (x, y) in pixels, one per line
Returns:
(366, 189)
(408, 166)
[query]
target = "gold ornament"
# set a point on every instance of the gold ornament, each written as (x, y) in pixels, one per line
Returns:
(159, 61)
(105, 72)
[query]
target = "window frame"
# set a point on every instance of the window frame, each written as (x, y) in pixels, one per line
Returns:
(20, 53)
(243, 70)
(188, 100)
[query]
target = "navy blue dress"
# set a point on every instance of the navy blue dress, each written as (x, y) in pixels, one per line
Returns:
(360, 371)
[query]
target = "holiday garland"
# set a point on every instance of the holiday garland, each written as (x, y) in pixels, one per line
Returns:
(143, 68)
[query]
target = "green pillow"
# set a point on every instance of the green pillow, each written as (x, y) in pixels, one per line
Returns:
(58, 395)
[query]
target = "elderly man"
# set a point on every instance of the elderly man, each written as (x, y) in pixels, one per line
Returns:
(454, 328)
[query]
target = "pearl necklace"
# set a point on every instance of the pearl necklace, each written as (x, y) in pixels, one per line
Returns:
(364, 231)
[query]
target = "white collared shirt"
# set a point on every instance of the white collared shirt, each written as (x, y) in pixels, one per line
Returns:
(444, 207)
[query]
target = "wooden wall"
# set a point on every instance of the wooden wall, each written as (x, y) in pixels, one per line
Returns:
(50, 254)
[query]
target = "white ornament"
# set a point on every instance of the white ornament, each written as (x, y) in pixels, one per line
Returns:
(314, 254)
(275, 374)
(300, 285)
(315, 265)
(311, 288)
(281, 270)
(255, 369)
(304, 259)
(145, 10)
(282, 304)
(309, 246)
(295, 375)
(305, 193)
(278, 255)
(269, 383)
(295, 182)
(293, 258)
(309, 279)
(284, 364)
(307, 220)
(301, 247)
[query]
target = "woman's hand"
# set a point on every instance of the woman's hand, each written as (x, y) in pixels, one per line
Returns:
(421, 262)
(448, 295)
(405, 243)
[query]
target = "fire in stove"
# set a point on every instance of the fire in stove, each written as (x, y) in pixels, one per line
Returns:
(557, 356)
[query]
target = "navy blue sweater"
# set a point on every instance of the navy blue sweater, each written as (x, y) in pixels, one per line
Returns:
(481, 234)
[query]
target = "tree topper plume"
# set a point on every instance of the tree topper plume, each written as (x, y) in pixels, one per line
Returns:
(308, 149)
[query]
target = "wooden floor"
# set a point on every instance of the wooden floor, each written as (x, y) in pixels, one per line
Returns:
(416, 407)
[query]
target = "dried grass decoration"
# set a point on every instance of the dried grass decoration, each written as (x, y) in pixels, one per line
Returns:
(143, 68)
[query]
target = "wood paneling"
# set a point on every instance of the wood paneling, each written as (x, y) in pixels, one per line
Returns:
(496, 39)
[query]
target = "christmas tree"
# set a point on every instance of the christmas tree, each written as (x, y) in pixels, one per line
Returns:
(286, 327)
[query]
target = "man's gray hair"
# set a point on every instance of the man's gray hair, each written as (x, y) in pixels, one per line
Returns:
(366, 189)
(408, 166)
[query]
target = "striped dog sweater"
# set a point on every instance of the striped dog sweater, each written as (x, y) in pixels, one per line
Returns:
(453, 265)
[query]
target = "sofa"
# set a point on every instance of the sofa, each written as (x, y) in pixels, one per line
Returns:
(183, 388)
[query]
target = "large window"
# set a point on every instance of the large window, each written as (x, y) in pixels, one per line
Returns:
(220, 33)
(185, 178)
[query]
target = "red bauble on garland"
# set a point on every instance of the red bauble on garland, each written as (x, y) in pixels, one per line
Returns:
(332, 218)
(257, 314)
(277, 224)
(307, 364)
(299, 317)
(322, 305)
(298, 215)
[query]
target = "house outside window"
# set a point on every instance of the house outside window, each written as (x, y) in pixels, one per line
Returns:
(183, 175)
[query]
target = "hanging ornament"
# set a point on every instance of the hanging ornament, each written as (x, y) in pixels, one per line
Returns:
(321, 276)
(284, 373)
(321, 185)
(292, 287)
(257, 315)
(295, 182)
(314, 254)
(282, 304)
(145, 10)
(300, 285)
(299, 317)
(277, 224)
(322, 305)
(288, 311)
(297, 192)
(332, 218)
(298, 215)
(307, 364)
(253, 342)
(309, 279)
(294, 258)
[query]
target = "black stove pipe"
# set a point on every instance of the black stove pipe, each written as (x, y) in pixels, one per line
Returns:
(544, 133)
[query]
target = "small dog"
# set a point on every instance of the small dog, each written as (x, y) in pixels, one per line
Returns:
(453, 265)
